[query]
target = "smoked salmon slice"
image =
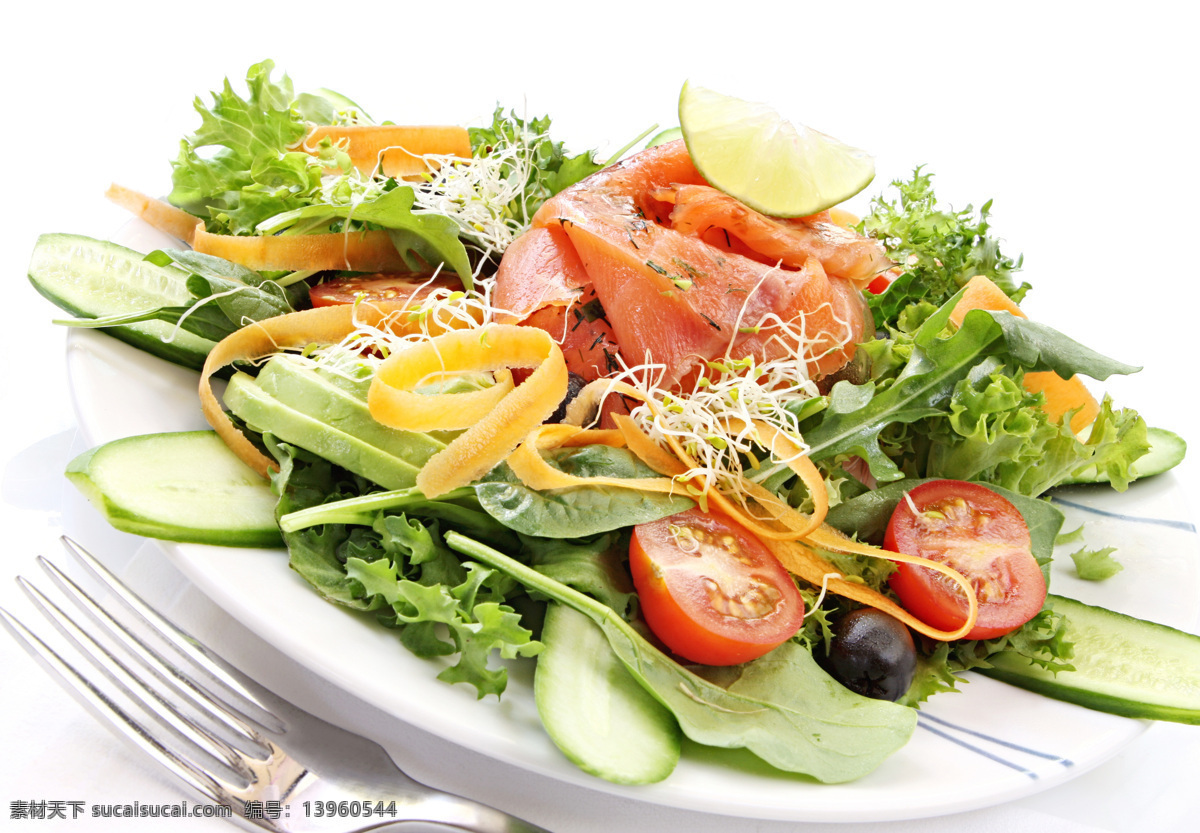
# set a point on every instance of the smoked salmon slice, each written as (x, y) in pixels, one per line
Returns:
(539, 269)
(719, 218)
(686, 275)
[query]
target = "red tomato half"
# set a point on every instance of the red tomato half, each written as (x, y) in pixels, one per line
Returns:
(977, 532)
(710, 590)
(878, 285)
(378, 287)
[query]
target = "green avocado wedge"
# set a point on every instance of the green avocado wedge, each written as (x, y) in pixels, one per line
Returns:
(264, 413)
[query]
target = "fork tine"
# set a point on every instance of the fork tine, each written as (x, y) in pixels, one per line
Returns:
(165, 671)
(110, 713)
(118, 672)
(183, 644)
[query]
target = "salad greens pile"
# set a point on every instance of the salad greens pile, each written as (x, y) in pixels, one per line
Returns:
(241, 172)
(465, 579)
(938, 250)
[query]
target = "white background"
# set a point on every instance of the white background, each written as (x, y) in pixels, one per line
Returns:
(1078, 121)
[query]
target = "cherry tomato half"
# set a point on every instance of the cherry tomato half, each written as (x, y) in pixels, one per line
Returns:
(710, 590)
(379, 287)
(878, 285)
(977, 532)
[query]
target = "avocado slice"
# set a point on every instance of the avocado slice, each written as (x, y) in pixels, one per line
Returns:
(264, 413)
(318, 395)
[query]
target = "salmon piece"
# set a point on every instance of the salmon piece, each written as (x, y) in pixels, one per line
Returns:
(541, 282)
(716, 217)
(588, 343)
(539, 269)
(673, 297)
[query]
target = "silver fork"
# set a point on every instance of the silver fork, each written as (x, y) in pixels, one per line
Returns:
(238, 744)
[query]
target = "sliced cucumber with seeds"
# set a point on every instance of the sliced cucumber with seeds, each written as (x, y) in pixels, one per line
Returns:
(92, 278)
(1166, 452)
(186, 487)
(1123, 665)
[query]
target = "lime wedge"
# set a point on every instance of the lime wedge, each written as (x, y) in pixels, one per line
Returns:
(752, 153)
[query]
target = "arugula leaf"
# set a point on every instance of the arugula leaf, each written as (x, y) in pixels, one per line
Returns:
(928, 375)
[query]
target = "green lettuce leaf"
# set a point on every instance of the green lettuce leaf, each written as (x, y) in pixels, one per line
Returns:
(1096, 565)
(935, 375)
(251, 175)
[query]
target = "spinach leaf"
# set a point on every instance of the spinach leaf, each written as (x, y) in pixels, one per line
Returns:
(581, 510)
(593, 566)
(424, 241)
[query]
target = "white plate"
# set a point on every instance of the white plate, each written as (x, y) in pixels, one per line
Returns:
(988, 744)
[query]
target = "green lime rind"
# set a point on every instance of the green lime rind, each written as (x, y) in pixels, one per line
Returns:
(749, 151)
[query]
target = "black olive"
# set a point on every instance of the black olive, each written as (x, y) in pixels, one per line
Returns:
(873, 654)
(575, 384)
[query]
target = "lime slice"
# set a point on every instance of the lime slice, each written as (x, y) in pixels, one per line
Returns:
(752, 153)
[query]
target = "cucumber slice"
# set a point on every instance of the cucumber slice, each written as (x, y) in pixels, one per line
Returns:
(1123, 665)
(1167, 450)
(92, 278)
(594, 710)
(185, 487)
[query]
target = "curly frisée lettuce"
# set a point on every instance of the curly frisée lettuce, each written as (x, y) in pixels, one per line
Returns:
(397, 566)
(938, 250)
